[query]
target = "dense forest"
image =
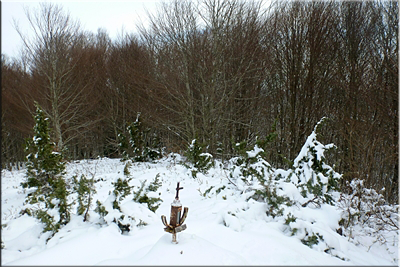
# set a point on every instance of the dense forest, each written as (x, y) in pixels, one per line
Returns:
(221, 72)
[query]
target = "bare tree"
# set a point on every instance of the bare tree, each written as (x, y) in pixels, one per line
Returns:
(169, 40)
(301, 49)
(16, 122)
(128, 87)
(52, 54)
(382, 99)
(206, 87)
(235, 84)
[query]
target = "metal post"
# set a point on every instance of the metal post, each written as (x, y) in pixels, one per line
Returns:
(176, 220)
(174, 238)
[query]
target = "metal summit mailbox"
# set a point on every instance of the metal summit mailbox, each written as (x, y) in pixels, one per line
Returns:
(177, 218)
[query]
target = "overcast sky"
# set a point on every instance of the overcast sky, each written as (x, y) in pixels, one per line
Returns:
(110, 15)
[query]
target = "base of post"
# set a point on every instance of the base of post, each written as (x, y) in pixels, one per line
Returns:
(174, 238)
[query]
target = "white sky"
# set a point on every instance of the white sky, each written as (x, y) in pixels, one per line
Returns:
(114, 16)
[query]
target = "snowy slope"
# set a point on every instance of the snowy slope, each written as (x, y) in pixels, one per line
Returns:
(222, 228)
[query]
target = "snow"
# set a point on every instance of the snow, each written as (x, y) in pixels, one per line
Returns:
(224, 226)
(176, 203)
(253, 153)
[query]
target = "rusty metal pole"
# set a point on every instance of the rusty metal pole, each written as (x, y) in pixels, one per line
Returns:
(176, 220)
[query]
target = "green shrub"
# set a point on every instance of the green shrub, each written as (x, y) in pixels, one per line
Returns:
(100, 209)
(140, 145)
(201, 161)
(142, 195)
(290, 218)
(44, 164)
(45, 170)
(312, 240)
(315, 179)
(122, 189)
(85, 190)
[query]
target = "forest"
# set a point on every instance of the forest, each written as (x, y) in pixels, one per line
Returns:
(222, 72)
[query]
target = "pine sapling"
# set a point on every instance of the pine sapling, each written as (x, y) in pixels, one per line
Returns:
(146, 194)
(44, 163)
(201, 161)
(85, 189)
(45, 170)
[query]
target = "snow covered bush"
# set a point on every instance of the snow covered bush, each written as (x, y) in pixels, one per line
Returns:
(139, 146)
(256, 177)
(45, 169)
(300, 197)
(310, 240)
(111, 211)
(201, 161)
(85, 189)
(122, 189)
(43, 164)
(119, 209)
(312, 175)
(50, 207)
(153, 149)
(127, 173)
(101, 210)
(150, 194)
(365, 212)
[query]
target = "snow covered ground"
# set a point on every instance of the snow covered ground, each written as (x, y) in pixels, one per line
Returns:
(223, 228)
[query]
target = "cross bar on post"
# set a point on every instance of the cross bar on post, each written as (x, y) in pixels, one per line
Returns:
(177, 191)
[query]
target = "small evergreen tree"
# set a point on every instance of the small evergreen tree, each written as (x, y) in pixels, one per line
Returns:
(264, 143)
(122, 189)
(149, 195)
(201, 161)
(152, 150)
(44, 164)
(313, 176)
(45, 170)
(253, 172)
(85, 189)
(101, 210)
(139, 146)
(136, 140)
(127, 173)
(123, 146)
(113, 203)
